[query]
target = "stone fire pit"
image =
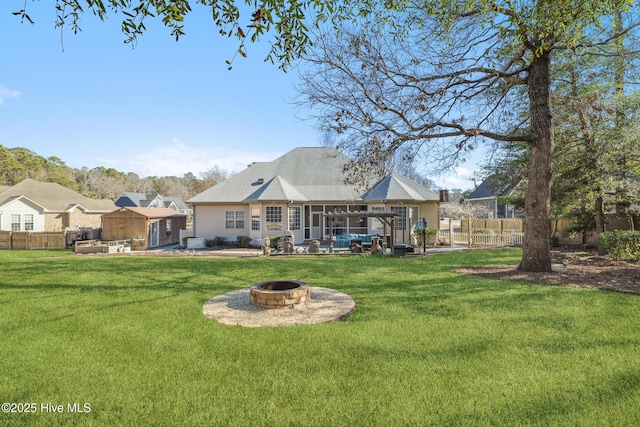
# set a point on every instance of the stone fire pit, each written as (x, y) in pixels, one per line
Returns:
(291, 294)
(280, 303)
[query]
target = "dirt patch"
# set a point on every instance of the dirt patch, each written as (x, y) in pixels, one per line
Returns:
(576, 267)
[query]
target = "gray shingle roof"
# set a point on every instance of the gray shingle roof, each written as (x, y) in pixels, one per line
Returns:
(179, 203)
(54, 197)
(396, 187)
(491, 187)
(308, 174)
(140, 200)
(277, 188)
(303, 174)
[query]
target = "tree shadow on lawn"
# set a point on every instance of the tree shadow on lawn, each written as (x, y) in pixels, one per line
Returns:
(445, 296)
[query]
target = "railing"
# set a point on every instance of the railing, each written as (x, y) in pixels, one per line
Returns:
(512, 238)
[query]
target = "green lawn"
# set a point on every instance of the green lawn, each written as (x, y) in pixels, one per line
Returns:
(425, 346)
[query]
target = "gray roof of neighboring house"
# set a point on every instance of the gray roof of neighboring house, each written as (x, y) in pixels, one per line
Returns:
(179, 203)
(140, 200)
(396, 187)
(489, 188)
(303, 174)
(53, 197)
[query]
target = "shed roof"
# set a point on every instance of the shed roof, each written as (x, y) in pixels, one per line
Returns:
(149, 213)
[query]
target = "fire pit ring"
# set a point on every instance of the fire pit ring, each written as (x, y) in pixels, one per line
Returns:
(292, 294)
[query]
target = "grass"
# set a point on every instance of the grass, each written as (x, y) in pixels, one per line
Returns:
(425, 346)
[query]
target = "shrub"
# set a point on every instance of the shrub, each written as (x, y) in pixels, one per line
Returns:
(621, 244)
(429, 236)
(215, 242)
(244, 241)
(137, 244)
(219, 241)
(274, 241)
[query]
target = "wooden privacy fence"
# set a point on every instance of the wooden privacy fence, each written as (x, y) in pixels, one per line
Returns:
(32, 240)
(503, 225)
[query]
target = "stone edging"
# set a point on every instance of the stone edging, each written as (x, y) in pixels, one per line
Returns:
(233, 308)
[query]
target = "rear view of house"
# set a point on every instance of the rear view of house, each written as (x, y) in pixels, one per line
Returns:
(296, 191)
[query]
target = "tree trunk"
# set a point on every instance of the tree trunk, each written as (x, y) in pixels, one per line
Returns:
(599, 211)
(536, 251)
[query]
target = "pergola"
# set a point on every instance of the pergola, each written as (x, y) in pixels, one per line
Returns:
(387, 218)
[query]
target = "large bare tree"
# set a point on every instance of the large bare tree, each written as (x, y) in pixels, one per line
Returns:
(446, 76)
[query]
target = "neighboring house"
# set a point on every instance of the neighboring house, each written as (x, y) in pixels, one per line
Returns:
(295, 191)
(46, 206)
(155, 226)
(143, 200)
(487, 193)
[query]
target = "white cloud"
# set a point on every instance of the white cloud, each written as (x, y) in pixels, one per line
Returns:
(6, 93)
(460, 177)
(178, 158)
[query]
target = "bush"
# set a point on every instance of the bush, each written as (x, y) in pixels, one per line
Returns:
(621, 244)
(274, 241)
(429, 236)
(137, 244)
(244, 241)
(216, 241)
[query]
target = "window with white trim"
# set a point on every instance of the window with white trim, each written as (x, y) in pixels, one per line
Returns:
(401, 217)
(413, 216)
(295, 218)
(255, 219)
(28, 222)
(234, 219)
(273, 217)
(15, 222)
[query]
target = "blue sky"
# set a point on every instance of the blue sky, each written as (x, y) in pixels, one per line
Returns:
(163, 108)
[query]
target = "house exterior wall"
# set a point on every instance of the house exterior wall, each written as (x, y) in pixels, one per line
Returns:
(415, 213)
(54, 221)
(210, 220)
(78, 217)
(60, 221)
(21, 208)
